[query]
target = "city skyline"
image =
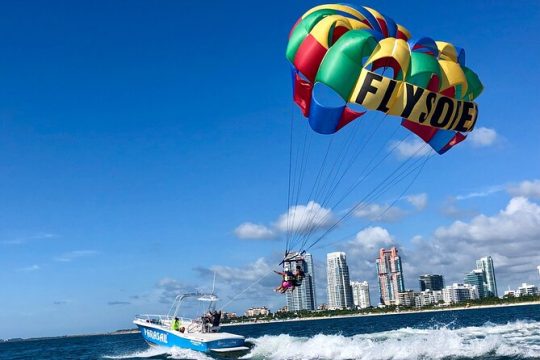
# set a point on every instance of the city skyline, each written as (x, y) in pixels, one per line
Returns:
(431, 286)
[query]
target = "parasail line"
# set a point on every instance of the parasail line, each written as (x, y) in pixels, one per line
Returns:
(290, 165)
(354, 208)
(421, 167)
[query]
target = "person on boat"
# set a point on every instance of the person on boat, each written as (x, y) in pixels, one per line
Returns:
(287, 281)
(216, 318)
(175, 325)
(207, 320)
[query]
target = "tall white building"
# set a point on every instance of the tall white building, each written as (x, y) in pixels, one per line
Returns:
(303, 297)
(486, 264)
(538, 267)
(360, 294)
(339, 286)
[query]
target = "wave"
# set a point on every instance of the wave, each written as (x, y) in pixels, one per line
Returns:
(519, 339)
(161, 352)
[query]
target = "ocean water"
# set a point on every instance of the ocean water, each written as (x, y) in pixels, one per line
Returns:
(495, 333)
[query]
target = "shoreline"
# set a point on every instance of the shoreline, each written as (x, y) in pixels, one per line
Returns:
(262, 322)
(112, 333)
(383, 314)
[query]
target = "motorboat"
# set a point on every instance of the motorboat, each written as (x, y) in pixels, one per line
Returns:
(200, 334)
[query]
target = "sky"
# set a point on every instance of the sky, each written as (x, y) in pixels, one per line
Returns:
(146, 145)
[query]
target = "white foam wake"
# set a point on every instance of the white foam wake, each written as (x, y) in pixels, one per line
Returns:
(169, 353)
(519, 339)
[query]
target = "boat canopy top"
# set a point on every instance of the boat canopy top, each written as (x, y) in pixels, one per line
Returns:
(210, 298)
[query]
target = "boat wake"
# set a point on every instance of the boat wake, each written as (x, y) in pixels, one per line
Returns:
(519, 339)
(161, 353)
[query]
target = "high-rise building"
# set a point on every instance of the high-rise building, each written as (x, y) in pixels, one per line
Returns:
(390, 276)
(538, 267)
(339, 285)
(486, 264)
(431, 282)
(360, 293)
(303, 297)
(477, 278)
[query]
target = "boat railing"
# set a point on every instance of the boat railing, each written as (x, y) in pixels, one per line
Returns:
(190, 325)
(165, 320)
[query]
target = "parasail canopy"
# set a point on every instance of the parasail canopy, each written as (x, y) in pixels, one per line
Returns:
(349, 60)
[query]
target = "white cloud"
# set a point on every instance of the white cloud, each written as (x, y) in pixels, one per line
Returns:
(249, 230)
(387, 212)
(299, 219)
(450, 209)
(511, 237)
(520, 218)
(411, 148)
(481, 137)
(378, 212)
(527, 188)
(482, 193)
(25, 239)
(419, 201)
(304, 218)
(30, 268)
(73, 255)
(246, 284)
(369, 239)
(251, 272)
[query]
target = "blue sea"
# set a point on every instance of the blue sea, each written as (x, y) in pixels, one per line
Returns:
(494, 333)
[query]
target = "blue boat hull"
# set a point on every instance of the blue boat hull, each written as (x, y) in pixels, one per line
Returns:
(156, 336)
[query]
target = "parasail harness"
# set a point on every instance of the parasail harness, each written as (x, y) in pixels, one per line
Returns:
(296, 258)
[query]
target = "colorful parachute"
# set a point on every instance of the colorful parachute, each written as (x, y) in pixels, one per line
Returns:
(362, 57)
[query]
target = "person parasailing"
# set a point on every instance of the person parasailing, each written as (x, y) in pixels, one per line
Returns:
(291, 280)
(287, 281)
